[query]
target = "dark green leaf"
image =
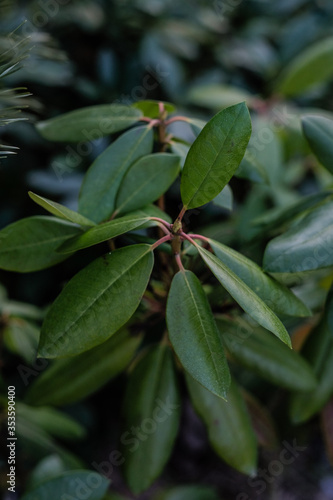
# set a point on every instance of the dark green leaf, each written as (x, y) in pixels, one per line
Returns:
(152, 411)
(61, 211)
(150, 108)
(195, 492)
(307, 245)
(277, 296)
(265, 355)
(70, 485)
(102, 180)
(146, 180)
(98, 301)
(71, 379)
(89, 124)
(215, 155)
(228, 424)
(194, 335)
(52, 421)
(318, 131)
(30, 244)
(245, 296)
(104, 232)
(313, 66)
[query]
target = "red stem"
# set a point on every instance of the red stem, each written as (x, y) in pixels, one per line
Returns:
(176, 119)
(162, 221)
(159, 242)
(179, 262)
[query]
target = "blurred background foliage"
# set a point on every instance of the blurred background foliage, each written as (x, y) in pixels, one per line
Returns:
(60, 55)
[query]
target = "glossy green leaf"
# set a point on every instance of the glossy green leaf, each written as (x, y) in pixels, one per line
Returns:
(90, 123)
(85, 484)
(150, 108)
(265, 355)
(318, 131)
(307, 244)
(245, 296)
(277, 296)
(102, 180)
(60, 210)
(224, 199)
(104, 232)
(228, 425)
(215, 155)
(194, 335)
(152, 412)
(30, 244)
(52, 421)
(195, 492)
(146, 181)
(312, 66)
(98, 301)
(71, 379)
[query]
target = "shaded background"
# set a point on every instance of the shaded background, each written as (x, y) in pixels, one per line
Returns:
(201, 56)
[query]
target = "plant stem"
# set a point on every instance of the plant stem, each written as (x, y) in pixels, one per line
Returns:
(168, 237)
(198, 237)
(176, 119)
(179, 262)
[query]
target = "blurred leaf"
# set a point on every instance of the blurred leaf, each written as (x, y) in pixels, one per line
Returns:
(277, 296)
(245, 296)
(194, 335)
(104, 232)
(86, 484)
(21, 338)
(150, 108)
(228, 424)
(48, 468)
(146, 181)
(52, 421)
(312, 66)
(318, 131)
(90, 123)
(225, 198)
(327, 429)
(152, 405)
(263, 354)
(71, 379)
(215, 155)
(216, 96)
(30, 244)
(305, 246)
(96, 302)
(195, 492)
(102, 180)
(60, 211)
(251, 169)
(262, 422)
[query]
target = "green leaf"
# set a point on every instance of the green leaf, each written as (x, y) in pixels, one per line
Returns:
(252, 169)
(277, 296)
(30, 244)
(318, 131)
(312, 66)
(85, 484)
(103, 178)
(52, 421)
(318, 350)
(69, 380)
(152, 412)
(215, 155)
(194, 335)
(146, 180)
(104, 232)
(150, 108)
(224, 199)
(98, 301)
(195, 492)
(228, 424)
(60, 211)
(21, 338)
(307, 244)
(216, 96)
(265, 355)
(90, 123)
(245, 296)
